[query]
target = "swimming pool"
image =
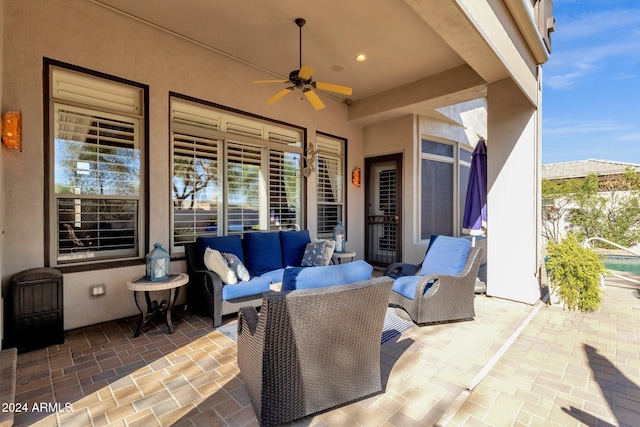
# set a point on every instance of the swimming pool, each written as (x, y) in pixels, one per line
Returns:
(629, 264)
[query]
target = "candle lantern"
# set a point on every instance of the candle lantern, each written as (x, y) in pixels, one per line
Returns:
(158, 264)
(338, 235)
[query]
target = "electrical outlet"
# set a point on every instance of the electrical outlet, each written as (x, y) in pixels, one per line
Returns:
(97, 290)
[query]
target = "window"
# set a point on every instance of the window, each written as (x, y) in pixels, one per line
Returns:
(464, 170)
(232, 173)
(96, 210)
(444, 177)
(330, 183)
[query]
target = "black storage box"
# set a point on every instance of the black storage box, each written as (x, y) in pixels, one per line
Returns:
(37, 310)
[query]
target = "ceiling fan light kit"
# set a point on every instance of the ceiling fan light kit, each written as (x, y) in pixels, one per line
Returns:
(302, 79)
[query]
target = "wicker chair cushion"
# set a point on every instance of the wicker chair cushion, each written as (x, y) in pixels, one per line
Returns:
(445, 255)
(330, 275)
(262, 252)
(406, 286)
(255, 286)
(229, 244)
(293, 244)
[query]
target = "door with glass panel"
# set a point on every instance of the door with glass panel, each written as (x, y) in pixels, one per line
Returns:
(383, 181)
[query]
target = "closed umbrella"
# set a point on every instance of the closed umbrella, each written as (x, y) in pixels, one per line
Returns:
(474, 221)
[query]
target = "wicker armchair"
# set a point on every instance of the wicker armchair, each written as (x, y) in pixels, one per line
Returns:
(312, 349)
(435, 297)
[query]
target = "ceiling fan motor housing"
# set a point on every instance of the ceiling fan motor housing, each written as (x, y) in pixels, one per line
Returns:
(297, 80)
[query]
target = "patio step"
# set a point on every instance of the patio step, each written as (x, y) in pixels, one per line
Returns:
(8, 363)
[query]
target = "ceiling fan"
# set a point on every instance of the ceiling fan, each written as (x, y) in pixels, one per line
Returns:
(302, 79)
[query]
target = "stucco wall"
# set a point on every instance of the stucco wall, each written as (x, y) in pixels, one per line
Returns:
(2, 149)
(512, 202)
(87, 35)
(397, 136)
(460, 123)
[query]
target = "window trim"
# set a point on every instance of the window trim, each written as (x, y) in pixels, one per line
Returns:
(345, 180)
(49, 217)
(456, 161)
(243, 117)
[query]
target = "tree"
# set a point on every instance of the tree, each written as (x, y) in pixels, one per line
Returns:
(606, 207)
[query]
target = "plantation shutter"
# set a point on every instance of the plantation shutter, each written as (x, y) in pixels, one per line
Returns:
(284, 190)
(245, 187)
(196, 187)
(330, 184)
(97, 175)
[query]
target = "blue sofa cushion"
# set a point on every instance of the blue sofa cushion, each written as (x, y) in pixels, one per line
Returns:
(262, 252)
(330, 275)
(274, 276)
(293, 244)
(230, 244)
(406, 286)
(446, 255)
(255, 286)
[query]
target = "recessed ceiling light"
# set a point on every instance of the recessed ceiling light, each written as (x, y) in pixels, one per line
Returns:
(361, 57)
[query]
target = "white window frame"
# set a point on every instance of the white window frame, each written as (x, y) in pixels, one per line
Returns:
(331, 150)
(458, 187)
(115, 121)
(234, 130)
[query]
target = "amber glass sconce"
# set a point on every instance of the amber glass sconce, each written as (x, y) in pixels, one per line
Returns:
(12, 129)
(355, 177)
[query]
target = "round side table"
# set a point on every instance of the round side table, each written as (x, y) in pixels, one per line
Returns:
(142, 285)
(338, 257)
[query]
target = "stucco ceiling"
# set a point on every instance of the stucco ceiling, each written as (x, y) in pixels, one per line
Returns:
(401, 48)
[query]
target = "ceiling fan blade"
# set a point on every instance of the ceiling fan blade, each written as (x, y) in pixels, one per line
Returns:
(279, 95)
(306, 72)
(314, 99)
(270, 81)
(333, 88)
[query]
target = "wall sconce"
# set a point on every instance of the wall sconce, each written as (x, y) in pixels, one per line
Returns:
(355, 177)
(12, 129)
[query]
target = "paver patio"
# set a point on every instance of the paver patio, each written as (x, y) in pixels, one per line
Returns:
(563, 368)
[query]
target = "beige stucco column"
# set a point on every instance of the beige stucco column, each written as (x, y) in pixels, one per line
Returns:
(512, 206)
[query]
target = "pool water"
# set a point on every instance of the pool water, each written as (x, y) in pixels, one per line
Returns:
(629, 264)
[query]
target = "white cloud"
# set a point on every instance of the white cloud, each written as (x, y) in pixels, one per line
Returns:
(632, 137)
(567, 127)
(599, 23)
(593, 43)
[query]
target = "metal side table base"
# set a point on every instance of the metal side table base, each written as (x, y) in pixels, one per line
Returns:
(142, 286)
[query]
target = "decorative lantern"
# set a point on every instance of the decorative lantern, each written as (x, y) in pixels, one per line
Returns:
(338, 236)
(158, 264)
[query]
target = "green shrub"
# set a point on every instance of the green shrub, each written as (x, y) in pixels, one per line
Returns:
(575, 273)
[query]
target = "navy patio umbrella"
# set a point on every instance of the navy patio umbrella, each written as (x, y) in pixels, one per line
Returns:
(474, 221)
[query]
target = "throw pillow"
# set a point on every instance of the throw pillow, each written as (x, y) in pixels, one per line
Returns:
(237, 267)
(314, 254)
(215, 262)
(328, 250)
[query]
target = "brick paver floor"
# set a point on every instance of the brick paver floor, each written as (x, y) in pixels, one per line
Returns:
(563, 368)
(567, 369)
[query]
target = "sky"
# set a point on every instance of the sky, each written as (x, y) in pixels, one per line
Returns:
(591, 83)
